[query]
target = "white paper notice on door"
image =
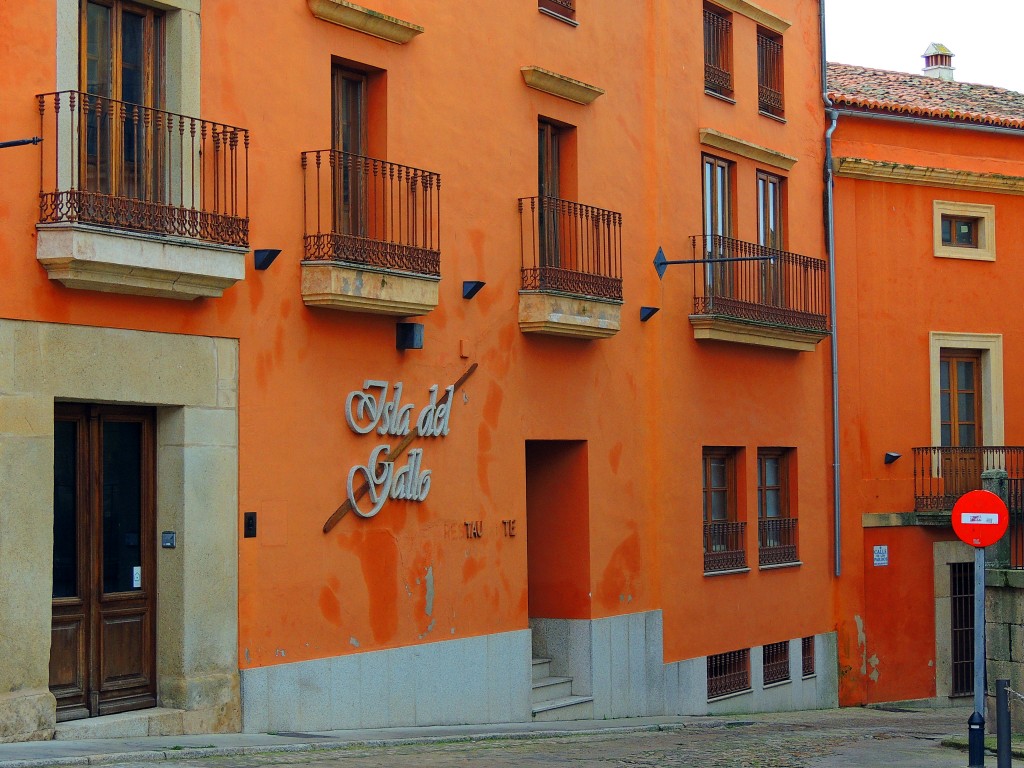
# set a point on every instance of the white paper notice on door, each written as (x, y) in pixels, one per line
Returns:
(137, 577)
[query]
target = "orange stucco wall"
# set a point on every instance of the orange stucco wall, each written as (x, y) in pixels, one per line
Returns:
(645, 401)
(894, 292)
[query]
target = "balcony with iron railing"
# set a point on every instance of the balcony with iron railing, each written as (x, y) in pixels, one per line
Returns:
(725, 546)
(571, 257)
(943, 474)
(751, 294)
(372, 234)
(776, 541)
(139, 200)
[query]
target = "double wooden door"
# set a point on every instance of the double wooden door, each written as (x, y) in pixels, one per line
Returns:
(102, 652)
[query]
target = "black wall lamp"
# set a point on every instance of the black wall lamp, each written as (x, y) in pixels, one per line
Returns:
(264, 257)
(408, 336)
(891, 456)
(646, 313)
(471, 288)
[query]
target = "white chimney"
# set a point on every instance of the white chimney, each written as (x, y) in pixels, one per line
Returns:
(938, 62)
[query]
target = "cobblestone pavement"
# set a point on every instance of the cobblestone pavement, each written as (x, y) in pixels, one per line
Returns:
(847, 738)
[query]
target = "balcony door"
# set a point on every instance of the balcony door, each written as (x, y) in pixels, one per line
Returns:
(548, 171)
(348, 140)
(102, 648)
(122, 79)
(960, 419)
(717, 225)
(769, 235)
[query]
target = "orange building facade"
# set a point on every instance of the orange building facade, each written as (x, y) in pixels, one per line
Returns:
(929, 174)
(427, 455)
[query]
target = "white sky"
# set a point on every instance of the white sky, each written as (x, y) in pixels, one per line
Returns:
(985, 36)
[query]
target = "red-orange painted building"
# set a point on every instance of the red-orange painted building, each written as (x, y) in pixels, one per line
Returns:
(576, 507)
(929, 174)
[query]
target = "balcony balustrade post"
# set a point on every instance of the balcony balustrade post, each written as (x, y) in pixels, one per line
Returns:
(997, 481)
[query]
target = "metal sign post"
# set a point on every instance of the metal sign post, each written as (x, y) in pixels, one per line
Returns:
(976, 723)
(980, 518)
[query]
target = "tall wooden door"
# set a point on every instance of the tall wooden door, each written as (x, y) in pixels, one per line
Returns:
(550, 210)
(102, 652)
(960, 417)
(349, 165)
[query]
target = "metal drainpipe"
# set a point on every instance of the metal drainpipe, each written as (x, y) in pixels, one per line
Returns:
(830, 243)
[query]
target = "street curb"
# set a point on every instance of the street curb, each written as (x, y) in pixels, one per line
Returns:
(960, 742)
(192, 753)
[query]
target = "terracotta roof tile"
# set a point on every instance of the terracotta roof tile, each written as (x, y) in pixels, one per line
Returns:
(922, 96)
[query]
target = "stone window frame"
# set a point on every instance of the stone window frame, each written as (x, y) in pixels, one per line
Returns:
(943, 554)
(990, 345)
(984, 214)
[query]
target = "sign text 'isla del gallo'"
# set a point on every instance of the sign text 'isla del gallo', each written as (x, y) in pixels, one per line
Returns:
(378, 407)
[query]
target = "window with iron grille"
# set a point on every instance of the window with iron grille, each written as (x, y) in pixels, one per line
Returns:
(776, 527)
(717, 51)
(724, 535)
(775, 658)
(807, 655)
(728, 673)
(769, 73)
(562, 9)
(961, 625)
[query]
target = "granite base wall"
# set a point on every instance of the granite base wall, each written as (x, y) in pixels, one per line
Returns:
(474, 680)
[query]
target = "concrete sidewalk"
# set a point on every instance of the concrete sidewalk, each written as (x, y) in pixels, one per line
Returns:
(35, 754)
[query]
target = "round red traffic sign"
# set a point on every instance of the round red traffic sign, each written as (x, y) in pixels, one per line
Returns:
(980, 518)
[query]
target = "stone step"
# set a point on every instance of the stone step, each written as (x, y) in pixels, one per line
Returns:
(541, 668)
(565, 708)
(156, 721)
(548, 688)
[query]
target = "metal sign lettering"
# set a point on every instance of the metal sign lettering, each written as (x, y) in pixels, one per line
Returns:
(378, 407)
(371, 408)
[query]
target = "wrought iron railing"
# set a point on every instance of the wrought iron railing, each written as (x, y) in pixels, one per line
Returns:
(563, 8)
(769, 75)
(369, 212)
(751, 282)
(776, 541)
(717, 53)
(570, 248)
(1016, 529)
(116, 164)
(942, 475)
(724, 546)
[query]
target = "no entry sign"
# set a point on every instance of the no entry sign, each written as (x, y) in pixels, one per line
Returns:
(980, 518)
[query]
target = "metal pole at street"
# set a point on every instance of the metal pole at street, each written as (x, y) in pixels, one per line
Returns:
(1002, 724)
(976, 723)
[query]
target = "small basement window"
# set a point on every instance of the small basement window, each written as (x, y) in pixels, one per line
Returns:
(728, 673)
